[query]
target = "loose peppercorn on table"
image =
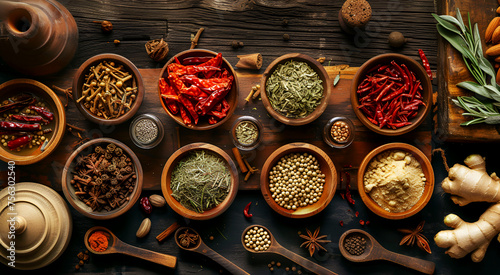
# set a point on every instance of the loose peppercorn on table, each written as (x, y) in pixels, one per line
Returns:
(236, 28)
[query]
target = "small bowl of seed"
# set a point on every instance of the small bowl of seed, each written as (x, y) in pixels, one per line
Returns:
(298, 180)
(146, 131)
(108, 89)
(246, 133)
(102, 179)
(339, 132)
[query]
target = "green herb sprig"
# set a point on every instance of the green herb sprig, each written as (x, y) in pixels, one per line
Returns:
(467, 41)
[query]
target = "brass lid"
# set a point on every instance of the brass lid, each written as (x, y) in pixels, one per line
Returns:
(38, 227)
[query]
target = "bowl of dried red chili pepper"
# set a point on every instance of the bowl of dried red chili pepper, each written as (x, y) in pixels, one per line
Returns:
(391, 94)
(33, 121)
(198, 89)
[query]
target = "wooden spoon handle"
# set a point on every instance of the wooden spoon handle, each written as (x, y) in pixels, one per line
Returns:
(227, 264)
(148, 255)
(311, 266)
(423, 266)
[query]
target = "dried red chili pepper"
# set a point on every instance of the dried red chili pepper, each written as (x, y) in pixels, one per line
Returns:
(207, 85)
(27, 118)
(245, 211)
(178, 69)
(425, 63)
(43, 112)
(341, 223)
(145, 205)
(16, 126)
(195, 60)
(18, 142)
(166, 89)
(205, 105)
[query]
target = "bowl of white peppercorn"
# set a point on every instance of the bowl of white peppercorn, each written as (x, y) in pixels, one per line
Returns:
(246, 133)
(395, 181)
(298, 180)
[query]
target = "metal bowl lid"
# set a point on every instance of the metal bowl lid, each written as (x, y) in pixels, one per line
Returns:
(38, 227)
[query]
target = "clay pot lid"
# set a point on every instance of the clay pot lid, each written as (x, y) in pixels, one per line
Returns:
(42, 225)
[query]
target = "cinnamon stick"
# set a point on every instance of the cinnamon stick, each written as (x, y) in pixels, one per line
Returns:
(239, 159)
(171, 229)
(250, 61)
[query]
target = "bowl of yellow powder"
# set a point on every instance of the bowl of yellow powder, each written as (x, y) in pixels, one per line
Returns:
(395, 180)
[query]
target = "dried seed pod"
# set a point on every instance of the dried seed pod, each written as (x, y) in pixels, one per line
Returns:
(494, 23)
(157, 200)
(495, 37)
(157, 49)
(106, 26)
(143, 228)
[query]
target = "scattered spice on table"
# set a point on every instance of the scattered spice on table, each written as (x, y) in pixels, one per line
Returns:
(188, 238)
(416, 235)
(98, 241)
(425, 63)
(200, 181)
(197, 89)
(296, 181)
(246, 211)
(355, 244)
(313, 241)
(246, 132)
(26, 123)
(294, 89)
(395, 180)
(157, 49)
(163, 235)
(257, 238)
(145, 205)
(106, 26)
(104, 178)
(109, 90)
(390, 95)
(340, 131)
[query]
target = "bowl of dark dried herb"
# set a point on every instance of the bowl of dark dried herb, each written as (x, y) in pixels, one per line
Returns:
(199, 181)
(296, 89)
(102, 179)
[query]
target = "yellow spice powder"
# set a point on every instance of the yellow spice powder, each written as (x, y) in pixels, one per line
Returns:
(395, 180)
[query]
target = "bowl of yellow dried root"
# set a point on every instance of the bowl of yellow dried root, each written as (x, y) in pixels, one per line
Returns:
(108, 89)
(395, 180)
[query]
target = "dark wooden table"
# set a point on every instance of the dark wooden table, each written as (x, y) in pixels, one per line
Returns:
(314, 30)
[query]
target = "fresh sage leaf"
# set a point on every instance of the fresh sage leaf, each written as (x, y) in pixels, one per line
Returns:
(445, 24)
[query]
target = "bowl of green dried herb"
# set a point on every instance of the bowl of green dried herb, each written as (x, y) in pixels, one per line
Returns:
(296, 89)
(246, 133)
(199, 181)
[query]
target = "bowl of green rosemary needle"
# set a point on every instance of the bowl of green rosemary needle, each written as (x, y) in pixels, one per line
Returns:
(296, 89)
(199, 181)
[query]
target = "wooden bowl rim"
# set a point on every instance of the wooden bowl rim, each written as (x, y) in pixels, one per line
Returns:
(318, 68)
(77, 89)
(234, 89)
(327, 165)
(170, 165)
(426, 167)
(421, 74)
(103, 214)
(59, 130)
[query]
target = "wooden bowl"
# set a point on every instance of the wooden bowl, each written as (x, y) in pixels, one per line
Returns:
(69, 190)
(79, 80)
(317, 67)
(327, 168)
(167, 174)
(58, 125)
(426, 167)
(413, 66)
(231, 97)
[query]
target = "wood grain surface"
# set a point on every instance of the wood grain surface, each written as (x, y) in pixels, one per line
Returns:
(452, 70)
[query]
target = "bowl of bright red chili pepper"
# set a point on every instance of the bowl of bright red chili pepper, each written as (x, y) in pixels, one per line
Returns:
(198, 89)
(391, 94)
(33, 121)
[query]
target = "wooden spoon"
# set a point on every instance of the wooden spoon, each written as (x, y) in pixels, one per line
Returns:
(374, 251)
(275, 247)
(196, 244)
(117, 246)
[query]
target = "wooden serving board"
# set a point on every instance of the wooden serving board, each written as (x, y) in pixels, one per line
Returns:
(452, 70)
(275, 134)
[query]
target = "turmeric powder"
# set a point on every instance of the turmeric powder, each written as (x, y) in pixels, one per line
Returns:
(98, 241)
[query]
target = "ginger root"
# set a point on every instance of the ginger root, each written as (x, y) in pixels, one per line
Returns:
(471, 184)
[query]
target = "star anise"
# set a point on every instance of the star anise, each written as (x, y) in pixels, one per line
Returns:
(416, 235)
(187, 238)
(93, 165)
(95, 200)
(313, 241)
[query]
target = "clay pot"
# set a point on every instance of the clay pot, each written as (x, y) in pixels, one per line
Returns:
(35, 44)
